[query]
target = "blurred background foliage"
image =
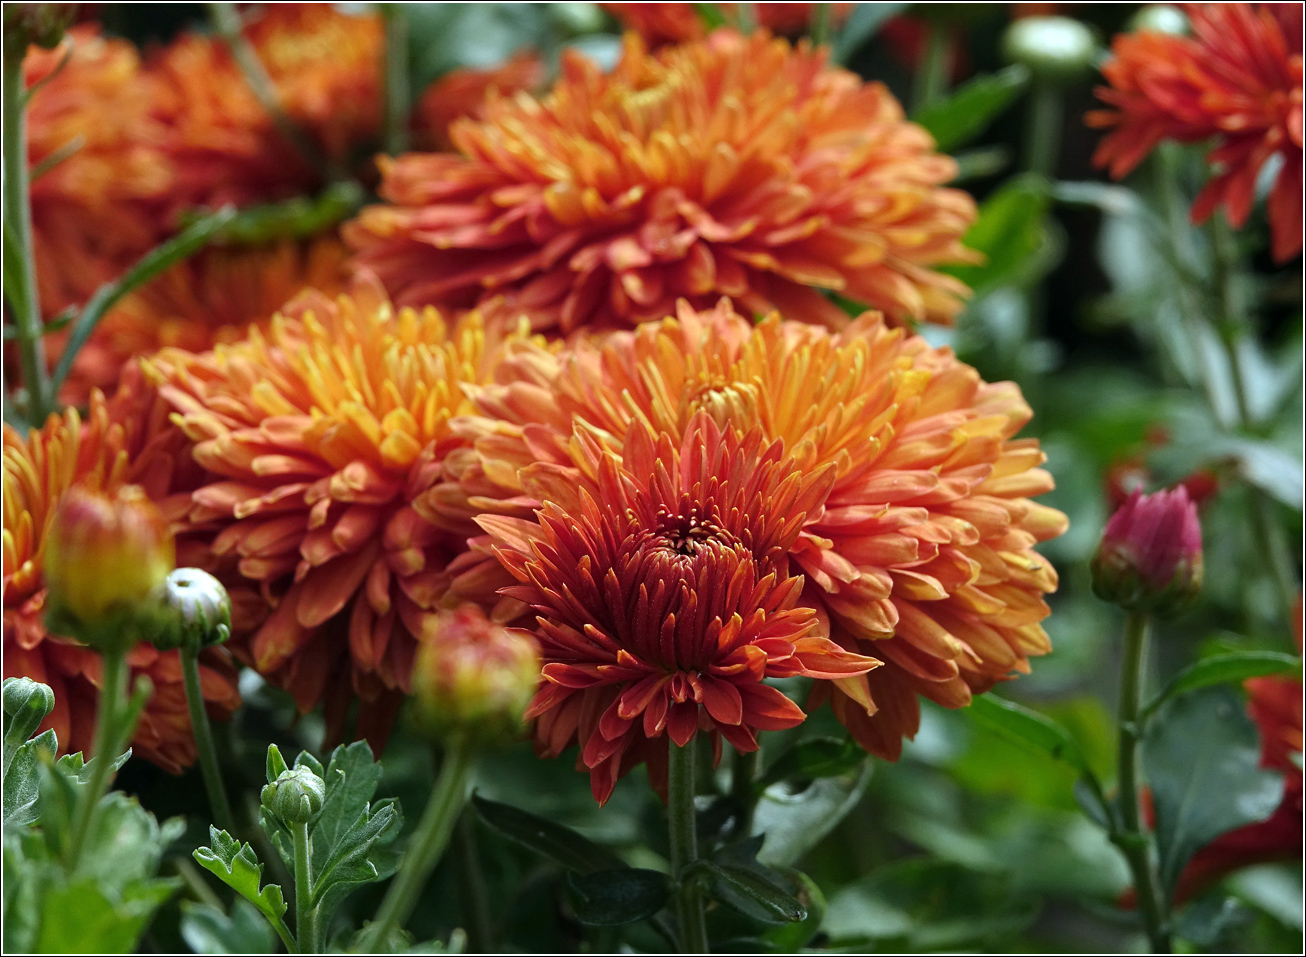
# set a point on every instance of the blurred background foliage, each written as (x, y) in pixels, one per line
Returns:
(1090, 298)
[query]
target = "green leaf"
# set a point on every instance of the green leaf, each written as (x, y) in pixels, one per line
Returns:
(1011, 234)
(1201, 757)
(790, 938)
(349, 863)
(276, 764)
(753, 891)
(972, 107)
(814, 758)
(187, 242)
(1213, 919)
(208, 930)
(795, 821)
(620, 896)
(237, 866)
(1225, 669)
(22, 783)
(1029, 729)
(864, 22)
(559, 844)
(80, 918)
(296, 218)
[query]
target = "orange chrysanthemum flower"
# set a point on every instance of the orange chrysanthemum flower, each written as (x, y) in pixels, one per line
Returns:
(124, 441)
(326, 68)
(1238, 79)
(211, 297)
(660, 23)
(317, 436)
(100, 207)
(659, 576)
(465, 91)
(923, 552)
(736, 166)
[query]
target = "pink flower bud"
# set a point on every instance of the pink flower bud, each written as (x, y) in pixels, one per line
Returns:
(1150, 558)
(475, 677)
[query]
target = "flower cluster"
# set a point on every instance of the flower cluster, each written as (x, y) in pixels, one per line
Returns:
(736, 166)
(1238, 80)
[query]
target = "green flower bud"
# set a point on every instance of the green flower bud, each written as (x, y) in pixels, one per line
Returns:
(296, 795)
(1160, 18)
(1056, 49)
(196, 610)
(40, 23)
(26, 704)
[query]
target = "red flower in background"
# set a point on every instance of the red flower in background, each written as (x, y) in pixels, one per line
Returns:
(1238, 80)
(464, 92)
(660, 23)
(660, 581)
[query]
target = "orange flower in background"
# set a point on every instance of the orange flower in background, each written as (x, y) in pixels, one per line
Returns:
(733, 166)
(326, 68)
(317, 435)
(1238, 80)
(659, 577)
(208, 298)
(124, 441)
(660, 23)
(99, 207)
(922, 554)
(465, 92)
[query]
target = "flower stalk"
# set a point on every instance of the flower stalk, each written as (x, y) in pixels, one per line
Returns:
(219, 805)
(113, 693)
(305, 913)
(1133, 842)
(25, 300)
(432, 836)
(397, 93)
(684, 848)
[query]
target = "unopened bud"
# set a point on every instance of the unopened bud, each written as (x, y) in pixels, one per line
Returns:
(1160, 18)
(1056, 49)
(474, 677)
(105, 554)
(196, 610)
(26, 703)
(1150, 558)
(296, 795)
(40, 23)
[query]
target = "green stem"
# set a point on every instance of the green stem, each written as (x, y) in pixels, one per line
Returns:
(305, 912)
(820, 28)
(428, 843)
(684, 848)
(227, 23)
(471, 888)
(397, 94)
(199, 723)
(747, 17)
(113, 694)
(935, 68)
(1132, 840)
(26, 299)
(1043, 136)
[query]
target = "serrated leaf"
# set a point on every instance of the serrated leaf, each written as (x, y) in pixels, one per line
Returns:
(22, 784)
(208, 930)
(350, 863)
(1201, 758)
(621, 896)
(351, 779)
(80, 918)
(1029, 729)
(972, 107)
(1225, 669)
(814, 758)
(237, 866)
(559, 844)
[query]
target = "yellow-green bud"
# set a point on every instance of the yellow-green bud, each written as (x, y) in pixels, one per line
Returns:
(1056, 49)
(105, 554)
(474, 677)
(296, 795)
(1160, 18)
(196, 610)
